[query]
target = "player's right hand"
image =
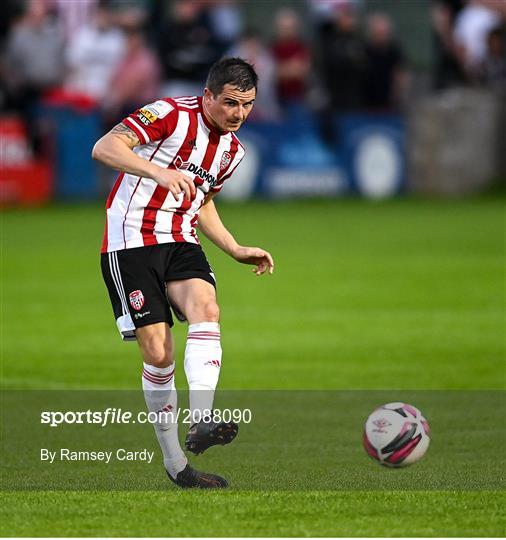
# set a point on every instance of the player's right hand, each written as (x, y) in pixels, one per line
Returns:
(176, 182)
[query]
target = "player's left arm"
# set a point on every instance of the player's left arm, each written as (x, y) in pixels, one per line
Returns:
(211, 225)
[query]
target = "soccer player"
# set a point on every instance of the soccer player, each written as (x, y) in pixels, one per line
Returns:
(174, 156)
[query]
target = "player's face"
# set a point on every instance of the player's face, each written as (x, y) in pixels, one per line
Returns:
(228, 110)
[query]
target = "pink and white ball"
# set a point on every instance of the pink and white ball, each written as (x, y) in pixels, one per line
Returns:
(396, 435)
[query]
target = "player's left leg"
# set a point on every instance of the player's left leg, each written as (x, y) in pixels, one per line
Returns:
(196, 299)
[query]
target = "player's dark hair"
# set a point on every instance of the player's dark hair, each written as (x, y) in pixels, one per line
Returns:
(234, 71)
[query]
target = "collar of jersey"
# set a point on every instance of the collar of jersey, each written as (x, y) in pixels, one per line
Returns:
(212, 128)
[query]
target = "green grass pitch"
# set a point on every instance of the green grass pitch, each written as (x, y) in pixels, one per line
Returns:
(402, 295)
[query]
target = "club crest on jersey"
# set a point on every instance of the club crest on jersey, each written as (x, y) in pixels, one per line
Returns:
(199, 172)
(136, 300)
(226, 158)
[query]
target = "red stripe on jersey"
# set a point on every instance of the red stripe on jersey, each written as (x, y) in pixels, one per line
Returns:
(207, 161)
(103, 249)
(193, 225)
(136, 186)
(160, 193)
(114, 190)
(108, 205)
(149, 215)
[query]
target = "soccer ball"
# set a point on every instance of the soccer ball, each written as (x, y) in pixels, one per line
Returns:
(396, 435)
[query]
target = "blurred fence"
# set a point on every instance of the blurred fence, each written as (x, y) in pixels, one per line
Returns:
(457, 142)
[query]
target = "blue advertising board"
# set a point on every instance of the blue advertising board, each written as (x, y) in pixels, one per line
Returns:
(74, 134)
(291, 159)
(374, 152)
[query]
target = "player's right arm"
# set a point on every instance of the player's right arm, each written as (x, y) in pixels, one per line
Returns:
(115, 149)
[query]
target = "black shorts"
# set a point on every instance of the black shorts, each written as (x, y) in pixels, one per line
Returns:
(136, 279)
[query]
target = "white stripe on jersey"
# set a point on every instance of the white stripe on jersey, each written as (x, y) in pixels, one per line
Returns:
(196, 157)
(133, 219)
(116, 214)
(139, 127)
(188, 103)
(164, 215)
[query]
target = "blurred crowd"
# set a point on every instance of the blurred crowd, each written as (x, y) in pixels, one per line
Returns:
(116, 55)
(470, 43)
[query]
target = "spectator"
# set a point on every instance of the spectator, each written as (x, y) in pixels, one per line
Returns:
(136, 79)
(73, 15)
(187, 49)
(342, 60)
(33, 63)
(386, 77)
(93, 55)
(493, 69)
(448, 70)
(127, 14)
(472, 26)
(34, 52)
(226, 22)
(12, 10)
(292, 58)
(252, 49)
(341, 64)
(320, 11)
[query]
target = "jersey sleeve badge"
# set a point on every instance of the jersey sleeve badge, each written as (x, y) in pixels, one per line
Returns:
(154, 111)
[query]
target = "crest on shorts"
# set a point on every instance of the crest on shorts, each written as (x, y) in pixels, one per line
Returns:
(136, 300)
(226, 158)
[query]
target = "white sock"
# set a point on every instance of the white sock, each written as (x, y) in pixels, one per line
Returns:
(160, 395)
(202, 363)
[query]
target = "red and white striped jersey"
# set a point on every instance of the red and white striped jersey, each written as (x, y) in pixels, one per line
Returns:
(174, 133)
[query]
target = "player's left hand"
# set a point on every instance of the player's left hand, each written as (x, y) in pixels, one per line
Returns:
(259, 257)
